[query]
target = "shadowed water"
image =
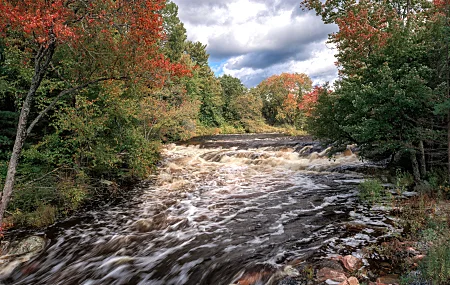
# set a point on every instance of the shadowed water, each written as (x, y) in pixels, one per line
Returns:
(219, 206)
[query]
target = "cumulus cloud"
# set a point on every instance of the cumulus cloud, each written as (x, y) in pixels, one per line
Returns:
(254, 39)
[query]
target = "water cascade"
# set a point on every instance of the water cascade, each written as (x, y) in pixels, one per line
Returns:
(218, 208)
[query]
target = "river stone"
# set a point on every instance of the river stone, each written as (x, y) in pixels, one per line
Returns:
(351, 263)
(20, 252)
(291, 271)
(28, 245)
(288, 281)
(350, 281)
(327, 273)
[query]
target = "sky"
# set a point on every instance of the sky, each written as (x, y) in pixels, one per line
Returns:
(255, 39)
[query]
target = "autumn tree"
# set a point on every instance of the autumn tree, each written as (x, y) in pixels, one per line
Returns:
(102, 42)
(386, 98)
(281, 95)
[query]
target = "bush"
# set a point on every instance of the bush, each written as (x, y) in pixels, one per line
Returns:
(44, 215)
(371, 191)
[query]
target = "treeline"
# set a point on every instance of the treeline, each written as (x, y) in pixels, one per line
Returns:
(392, 98)
(90, 89)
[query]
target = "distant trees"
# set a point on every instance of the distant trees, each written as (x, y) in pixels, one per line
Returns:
(281, 96)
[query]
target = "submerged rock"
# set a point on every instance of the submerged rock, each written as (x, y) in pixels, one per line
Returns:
(16, 253)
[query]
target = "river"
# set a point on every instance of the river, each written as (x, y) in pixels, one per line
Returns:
(218, 208)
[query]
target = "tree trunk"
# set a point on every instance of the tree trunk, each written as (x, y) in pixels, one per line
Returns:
(422, 161)
(415, 166)
(42, 61)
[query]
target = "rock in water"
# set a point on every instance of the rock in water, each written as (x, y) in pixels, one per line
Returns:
(17, 253)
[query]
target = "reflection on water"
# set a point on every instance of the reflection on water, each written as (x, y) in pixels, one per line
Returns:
(218, 207)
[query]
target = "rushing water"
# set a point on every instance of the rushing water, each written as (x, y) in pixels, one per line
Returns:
(218, 208)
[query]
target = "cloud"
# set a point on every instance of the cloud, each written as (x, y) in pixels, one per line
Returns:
(254, 39)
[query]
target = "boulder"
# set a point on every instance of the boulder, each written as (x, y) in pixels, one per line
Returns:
(350, 281)
(327, 273)
(351, 263)
(16, 253)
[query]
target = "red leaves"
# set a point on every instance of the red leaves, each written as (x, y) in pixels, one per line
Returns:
(309, 100)
(441, 4)
(362, 30)
(121, 37)
(39, 19)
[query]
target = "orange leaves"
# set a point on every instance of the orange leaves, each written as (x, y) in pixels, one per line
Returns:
(310, 99)
(291, 82)
(362, 31)
(112, 38)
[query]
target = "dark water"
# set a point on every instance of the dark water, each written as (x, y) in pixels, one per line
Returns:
(219, 207)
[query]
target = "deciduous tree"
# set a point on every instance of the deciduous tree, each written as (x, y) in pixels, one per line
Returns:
(102, 41)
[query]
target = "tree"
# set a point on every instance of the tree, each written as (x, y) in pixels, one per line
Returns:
(281, 95)
(233, 91)
(205, 86)
(389, 90)
(109, 40)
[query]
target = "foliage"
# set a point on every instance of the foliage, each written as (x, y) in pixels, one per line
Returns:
(281, 96)
(372, 191)
(233, 91)
(205, 87)
(436, 266)
(391, 84)
(113, 55)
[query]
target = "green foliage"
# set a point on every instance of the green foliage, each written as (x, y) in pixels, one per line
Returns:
(403, 180)
(43, 216)
(436, 265)
(175, 43)
(233, 91)
(391, 96)
(372, 191)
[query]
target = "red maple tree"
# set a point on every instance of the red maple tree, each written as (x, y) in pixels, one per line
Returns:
(117, 40)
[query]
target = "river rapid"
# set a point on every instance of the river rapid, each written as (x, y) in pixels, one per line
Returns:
(220, 207)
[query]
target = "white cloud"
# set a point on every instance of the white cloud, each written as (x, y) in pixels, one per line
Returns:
(254, 39)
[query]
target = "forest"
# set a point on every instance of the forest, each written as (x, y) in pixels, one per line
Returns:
(90, 90)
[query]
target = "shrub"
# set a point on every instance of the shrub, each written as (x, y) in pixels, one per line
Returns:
(371, 191)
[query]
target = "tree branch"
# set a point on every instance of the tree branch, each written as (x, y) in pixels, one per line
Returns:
(65, 92)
